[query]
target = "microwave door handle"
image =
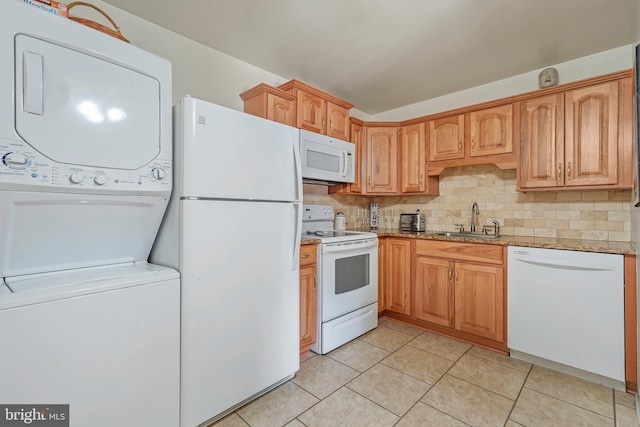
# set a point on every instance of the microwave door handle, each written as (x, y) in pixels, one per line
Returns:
(344, 163)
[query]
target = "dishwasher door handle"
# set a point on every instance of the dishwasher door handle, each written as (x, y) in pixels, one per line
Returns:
(563, 263)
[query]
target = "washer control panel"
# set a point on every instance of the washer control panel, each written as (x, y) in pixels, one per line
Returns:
(21, 164)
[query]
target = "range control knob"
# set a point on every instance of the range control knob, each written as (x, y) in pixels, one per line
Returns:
(100, 179)
(76, 178)
(158, 173)
(16, 160)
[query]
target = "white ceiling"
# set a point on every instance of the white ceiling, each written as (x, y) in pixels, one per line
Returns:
(384, 54)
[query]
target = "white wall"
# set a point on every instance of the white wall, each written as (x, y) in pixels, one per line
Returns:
(589, 66)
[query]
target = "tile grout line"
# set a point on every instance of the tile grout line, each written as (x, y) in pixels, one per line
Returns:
(515, 402)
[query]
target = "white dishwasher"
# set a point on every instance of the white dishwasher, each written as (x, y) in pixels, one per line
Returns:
(567, 307)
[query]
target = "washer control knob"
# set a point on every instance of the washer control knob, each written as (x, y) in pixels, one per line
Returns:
(100, 179)
(16, 160)
(76, 178)
(158, 173)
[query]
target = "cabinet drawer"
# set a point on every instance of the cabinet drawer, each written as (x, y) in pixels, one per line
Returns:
(486, 254)
(307, 255)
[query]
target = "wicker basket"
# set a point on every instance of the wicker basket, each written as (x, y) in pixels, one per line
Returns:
(95, 25)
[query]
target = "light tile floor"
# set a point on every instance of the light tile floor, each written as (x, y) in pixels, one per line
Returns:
(398, 375)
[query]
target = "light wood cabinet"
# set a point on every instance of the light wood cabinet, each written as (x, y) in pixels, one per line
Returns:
(461, 287)
(434, 295)
(446, 138)
(382, 159)
(413, 163)
(270, 103)
(397, 275)
(357, 135)
(491, 131)
(308, 297)
(577, 139)
(318, 111)
(479, 300)
(476, 137)
(381, 269)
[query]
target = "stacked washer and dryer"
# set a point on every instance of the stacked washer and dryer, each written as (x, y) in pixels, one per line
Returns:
(85, 178)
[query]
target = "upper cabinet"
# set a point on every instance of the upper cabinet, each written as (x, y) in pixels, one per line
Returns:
(270, 103)
(318, 111)
(382, 159)
(446, 138)
(577, 136)
(492, 131)
(413, 161)
(477, 137)
(578, 139)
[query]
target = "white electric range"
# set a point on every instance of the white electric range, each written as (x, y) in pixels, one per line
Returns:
(347, 279)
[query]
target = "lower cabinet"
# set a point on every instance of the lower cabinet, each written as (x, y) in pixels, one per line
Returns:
(381, 283)
(452, 288)
(308, 297)
(397, 275)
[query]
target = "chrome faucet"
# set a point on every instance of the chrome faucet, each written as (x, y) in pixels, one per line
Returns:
(474, 213)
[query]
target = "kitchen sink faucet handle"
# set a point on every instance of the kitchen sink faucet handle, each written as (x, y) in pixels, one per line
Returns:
(496, 228)
(461, 226)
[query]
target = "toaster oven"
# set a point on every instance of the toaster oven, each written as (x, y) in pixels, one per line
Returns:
(412, 222)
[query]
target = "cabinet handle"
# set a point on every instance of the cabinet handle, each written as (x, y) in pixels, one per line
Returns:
(473, 144)
(323, 122)
(305, 256)
(330, 124)
(421, 179)
(460, 145)
(450, 272)
(559, 171)
(457, 274)
(315, 280)
(369, 180)
(569, 171)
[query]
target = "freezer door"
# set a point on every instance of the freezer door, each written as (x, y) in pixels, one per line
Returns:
(228, 154)
(239, 301)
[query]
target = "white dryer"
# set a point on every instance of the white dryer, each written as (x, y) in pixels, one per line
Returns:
(85, 177)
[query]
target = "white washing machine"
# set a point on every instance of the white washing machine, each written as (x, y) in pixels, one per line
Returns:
(85, 177)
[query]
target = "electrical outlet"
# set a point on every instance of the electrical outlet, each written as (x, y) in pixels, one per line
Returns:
(538, 210)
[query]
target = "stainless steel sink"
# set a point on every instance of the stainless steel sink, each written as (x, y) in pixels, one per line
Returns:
(467, 235)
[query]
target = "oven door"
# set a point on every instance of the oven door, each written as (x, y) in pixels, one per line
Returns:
(348, 277)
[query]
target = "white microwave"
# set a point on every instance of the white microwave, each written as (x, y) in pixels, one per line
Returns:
(325, 158)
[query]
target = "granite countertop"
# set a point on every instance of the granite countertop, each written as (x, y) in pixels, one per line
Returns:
(309, 241)
(601, 246)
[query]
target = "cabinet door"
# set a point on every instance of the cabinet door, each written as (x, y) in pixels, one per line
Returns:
(413, 162)
(381, 270)
(492, 131)
(434, 301)
(356, 138)
(382, 160)
(446, 138)
(542, 142)
(591, 135)
(280, 110)
(338, 121)
(398, 275)
(311, 111)
(308, 315)
(479, 300)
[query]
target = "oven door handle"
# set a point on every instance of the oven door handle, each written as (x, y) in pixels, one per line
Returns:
(349, 245)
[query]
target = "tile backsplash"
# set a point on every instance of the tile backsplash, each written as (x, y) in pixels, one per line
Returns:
(594, 215)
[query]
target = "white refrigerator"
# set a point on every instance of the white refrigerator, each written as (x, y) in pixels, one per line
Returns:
(232, 229)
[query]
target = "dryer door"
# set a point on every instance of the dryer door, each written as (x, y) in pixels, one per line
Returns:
(79, 109)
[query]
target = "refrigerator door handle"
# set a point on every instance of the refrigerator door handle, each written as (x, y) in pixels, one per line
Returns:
(298, 169)
(295, 264)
